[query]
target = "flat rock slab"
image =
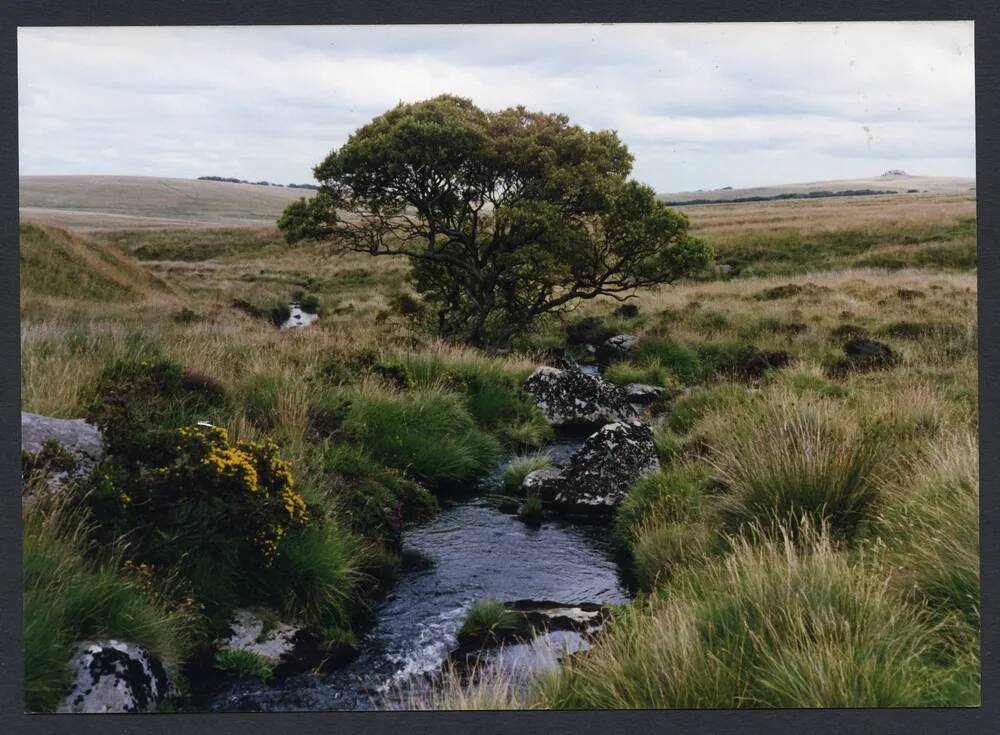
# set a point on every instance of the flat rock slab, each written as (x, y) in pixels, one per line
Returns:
(74, 435)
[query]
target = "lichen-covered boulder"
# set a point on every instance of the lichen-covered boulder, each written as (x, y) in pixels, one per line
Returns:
(599, 473)
(79, 439)
(112, 676)
(616, 347)
(641, 393)
(571, 398)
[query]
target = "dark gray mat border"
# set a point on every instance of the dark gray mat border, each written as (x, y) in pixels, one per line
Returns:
(15, 13)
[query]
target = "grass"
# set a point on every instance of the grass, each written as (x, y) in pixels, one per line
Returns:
(240, 664)
(794, 461)
(428, 434)
(521, 467)
(74, 592)
(740, 605)
(490, 617)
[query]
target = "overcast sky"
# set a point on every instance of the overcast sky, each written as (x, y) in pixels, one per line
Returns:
(701, 106)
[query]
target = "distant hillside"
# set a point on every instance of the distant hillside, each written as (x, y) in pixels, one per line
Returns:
(145, 201)
(56, 263)
(897, 182)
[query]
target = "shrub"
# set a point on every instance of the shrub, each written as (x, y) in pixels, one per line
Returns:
(429, 435)
(278, 312)
(770, 625)
(242, 664)
(789, 461)
(216, 510)
(139, 402)
(408, 305)
(74, 590)
(588, 331)
(373, 500)
(521, 467)
(309, 303)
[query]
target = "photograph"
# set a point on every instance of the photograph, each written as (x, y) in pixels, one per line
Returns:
(563, 366)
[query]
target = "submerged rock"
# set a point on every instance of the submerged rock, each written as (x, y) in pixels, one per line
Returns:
(572, 398)
(112, 676)
(599, 473)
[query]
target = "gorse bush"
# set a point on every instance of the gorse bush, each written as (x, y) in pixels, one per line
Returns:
(75, 590)
(429, 435)
(792, 460)
(216, 509)
(778, 624)
(139, 402)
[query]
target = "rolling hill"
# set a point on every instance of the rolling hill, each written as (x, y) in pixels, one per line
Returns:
(895, 182)
(92, 202)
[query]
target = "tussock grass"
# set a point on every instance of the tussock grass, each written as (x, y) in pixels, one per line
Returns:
(75, 592)
(520, 467)
(487, 617)
(775, 624)
(790, 460)
(241, 664)
(429, 434)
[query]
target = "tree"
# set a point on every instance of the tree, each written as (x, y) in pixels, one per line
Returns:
(505, 216)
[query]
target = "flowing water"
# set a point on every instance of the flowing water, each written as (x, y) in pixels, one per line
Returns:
(471, 551)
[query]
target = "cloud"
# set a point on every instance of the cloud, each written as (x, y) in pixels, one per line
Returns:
(700, 105)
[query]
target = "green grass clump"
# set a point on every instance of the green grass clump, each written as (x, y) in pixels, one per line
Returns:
(769, 625)
(241, 664)
(678, 359)
(278, 312)
(259, 398)
(309, 303)
(649, 371)
(74, 591)
(669, 495)
(490, 617)
(786, 461)
(660, 548)
(428, 434)
(520, 468)
(689, 409)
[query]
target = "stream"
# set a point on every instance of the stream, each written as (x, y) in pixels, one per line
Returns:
(471, 551)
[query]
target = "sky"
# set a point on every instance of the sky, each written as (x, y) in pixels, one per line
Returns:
(701, 106)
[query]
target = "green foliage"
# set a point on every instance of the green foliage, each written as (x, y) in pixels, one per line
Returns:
(373, 500)
(649, 370)
(74, 590)
(490, 617)
(140, 401)
(259, 398)
(217, 511)
(689, 409)
(573, 228)
(242, 664)
(785, 463)
(309, 303)
(278, 312)
(588, 331)
(521, 467)
(672, 495)
(770, 625)
(669, 445)
(429, 434)
(679, 359)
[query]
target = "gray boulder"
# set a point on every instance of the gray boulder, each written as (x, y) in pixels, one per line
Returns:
(616, 347)
(112, 676)
(599, 473)
(642, 393)
(79, 438)
(573, 398)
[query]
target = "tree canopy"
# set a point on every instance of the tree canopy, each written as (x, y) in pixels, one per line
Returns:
(506, 216)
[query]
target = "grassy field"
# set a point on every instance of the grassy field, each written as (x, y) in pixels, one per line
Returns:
(812, 536)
